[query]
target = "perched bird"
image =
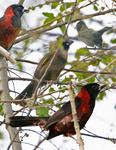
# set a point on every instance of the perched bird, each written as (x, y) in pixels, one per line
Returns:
(61, 122)
(89, 36)
(10, 25)
(52, 63)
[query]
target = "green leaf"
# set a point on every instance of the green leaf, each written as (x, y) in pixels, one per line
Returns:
(95, 7)
(1, 110)
(62, 8)
(79, 1)
(54, 5)
(82, 52)
(68, 5)
(65, 6)
(26, 45)
(114, 79)
(20, 66)
(47, 20)
(113, 41)
(51, 89)
(95, 62)
(101, 96)
(91, 80)
(106, 59)
(62, 88)
(49, 101)
(49, 15)
(42, 111)
(67, 79)
(63, 29)
(32, 8)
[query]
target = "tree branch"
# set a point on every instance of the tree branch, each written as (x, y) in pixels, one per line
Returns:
(91, 72)
(7, 55)
(4, 93)
(75, 118)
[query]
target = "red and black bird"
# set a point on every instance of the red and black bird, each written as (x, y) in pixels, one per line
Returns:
(61, 122)
(10, 25)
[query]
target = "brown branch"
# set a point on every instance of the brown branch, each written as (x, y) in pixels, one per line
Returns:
(91, 72)
(101, 137)
(75, 118)
(27, 61)
(22, 79)
(38, 104)
(7, 55)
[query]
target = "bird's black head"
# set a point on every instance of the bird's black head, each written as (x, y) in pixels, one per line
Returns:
(93, 89)
(79, 25)
(67, 43)
(18, 10)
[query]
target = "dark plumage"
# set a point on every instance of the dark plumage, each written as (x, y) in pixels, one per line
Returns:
(61, 122)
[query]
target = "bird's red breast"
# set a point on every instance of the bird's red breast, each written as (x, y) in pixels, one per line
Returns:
(85, 102)
(8, 32)
(65, 125)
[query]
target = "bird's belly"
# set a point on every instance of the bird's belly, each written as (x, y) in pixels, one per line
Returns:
(87, 41)
(65, 126)
(54, 71)
(87, 38)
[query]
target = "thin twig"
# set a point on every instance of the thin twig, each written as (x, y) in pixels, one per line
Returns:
(27, 61)
(91, 72)
(100, 137)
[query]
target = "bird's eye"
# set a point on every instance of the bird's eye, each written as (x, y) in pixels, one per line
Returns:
(20, 9)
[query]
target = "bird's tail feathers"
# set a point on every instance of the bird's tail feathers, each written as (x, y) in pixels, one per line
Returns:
(22, 121)
(27, 92)
(104, 30)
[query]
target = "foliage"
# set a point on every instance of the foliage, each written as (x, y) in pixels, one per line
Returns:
(59, 20)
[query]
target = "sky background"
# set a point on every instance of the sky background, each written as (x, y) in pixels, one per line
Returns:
(103, 119)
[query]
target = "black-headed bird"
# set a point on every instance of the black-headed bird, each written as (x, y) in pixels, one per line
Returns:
(10, 25)
(61, 122)
(50, 66)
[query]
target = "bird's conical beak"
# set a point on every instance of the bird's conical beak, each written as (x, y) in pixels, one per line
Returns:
(26, 10)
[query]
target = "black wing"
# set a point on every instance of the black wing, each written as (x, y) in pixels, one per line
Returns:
(64, 111)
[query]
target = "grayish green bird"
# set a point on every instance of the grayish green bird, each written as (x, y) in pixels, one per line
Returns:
(54, 67)
(89, 36)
